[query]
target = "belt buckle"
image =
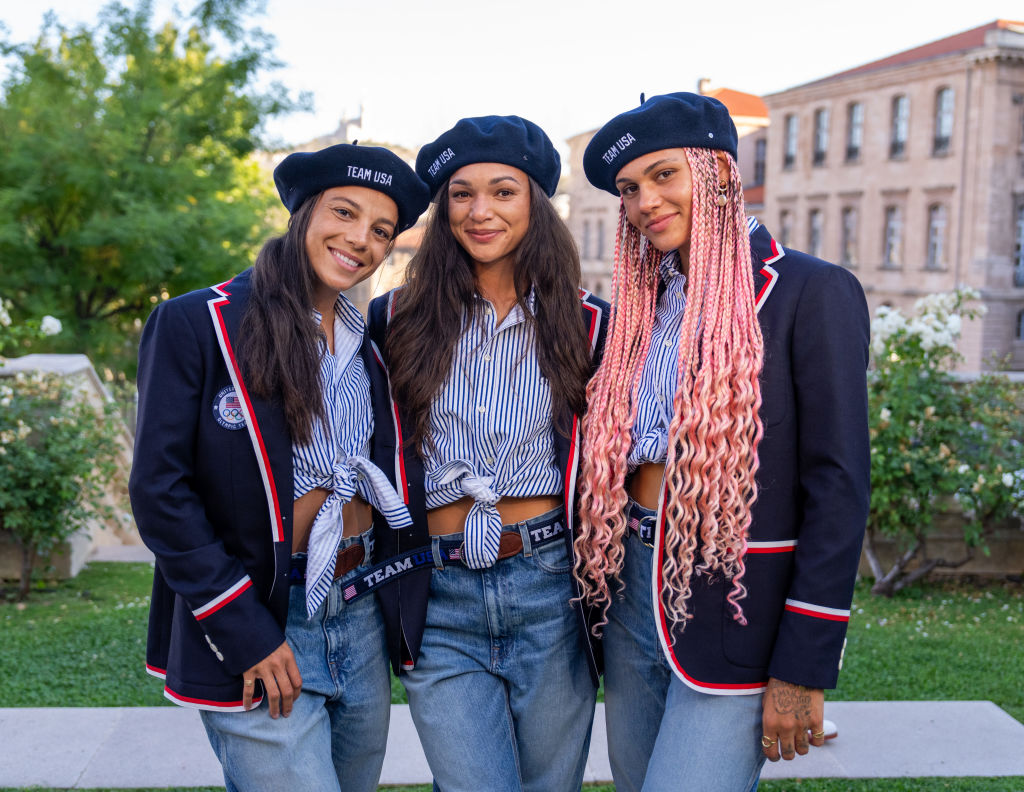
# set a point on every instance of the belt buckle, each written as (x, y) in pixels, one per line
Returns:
(648, 521)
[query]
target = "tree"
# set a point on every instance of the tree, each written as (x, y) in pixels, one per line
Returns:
(126, 172)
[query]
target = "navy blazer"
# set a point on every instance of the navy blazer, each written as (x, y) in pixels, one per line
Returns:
(813, 491)
(404, 600)
(212, 492)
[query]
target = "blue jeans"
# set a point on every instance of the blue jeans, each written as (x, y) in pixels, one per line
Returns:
(335, 737)
(663, 736)
(501, 694)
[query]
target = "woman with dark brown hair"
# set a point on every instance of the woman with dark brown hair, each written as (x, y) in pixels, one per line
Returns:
(252, 486)
(488, 348)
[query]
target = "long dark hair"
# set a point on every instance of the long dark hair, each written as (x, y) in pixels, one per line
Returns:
(440, 285)
(281, 344)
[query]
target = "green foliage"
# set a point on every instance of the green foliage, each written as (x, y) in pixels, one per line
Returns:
(127, 173)
(56, 451)
(14, 335)
(936, 441)
(948, 640)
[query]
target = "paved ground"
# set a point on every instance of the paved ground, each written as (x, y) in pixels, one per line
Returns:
(82, 748)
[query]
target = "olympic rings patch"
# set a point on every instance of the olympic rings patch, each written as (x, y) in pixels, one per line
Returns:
(227, 409)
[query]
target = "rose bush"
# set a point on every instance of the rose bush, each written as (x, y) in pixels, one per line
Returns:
(937, 441)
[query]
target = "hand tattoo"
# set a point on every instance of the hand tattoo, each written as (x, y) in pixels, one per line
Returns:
(791, 699)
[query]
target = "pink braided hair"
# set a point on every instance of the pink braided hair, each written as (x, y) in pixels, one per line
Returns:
(715, 429)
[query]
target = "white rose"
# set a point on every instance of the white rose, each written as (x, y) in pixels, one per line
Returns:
(50, 325)
(1007, 479)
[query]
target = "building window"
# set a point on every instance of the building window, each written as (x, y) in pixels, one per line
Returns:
(586, 239)
(791, 128)
(848, 250)
(760, 153)
(1018, 252)
(935, 256)
(900, 124)
(820, 135)
(785, 227)
(814, 233)
(600, 239)
(943, 121)
(1020, 326)
(893, 238)
(854, 130)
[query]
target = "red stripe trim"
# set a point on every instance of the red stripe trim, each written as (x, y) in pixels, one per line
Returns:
(399, 440)
(754, 550)
(749, 686)
(269, 476)
(593, 323)
(770, 275)
(225, 601)
(208, 702)
(818, 615)
(570, 469)
(160, 672)
(400, 445)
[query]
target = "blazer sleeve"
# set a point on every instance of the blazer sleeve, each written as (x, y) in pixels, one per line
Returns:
(829, 357)
(167, 501)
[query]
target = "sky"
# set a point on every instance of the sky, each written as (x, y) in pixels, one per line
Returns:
(417, 66)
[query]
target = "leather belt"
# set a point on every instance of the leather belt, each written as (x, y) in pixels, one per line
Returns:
(347, 560)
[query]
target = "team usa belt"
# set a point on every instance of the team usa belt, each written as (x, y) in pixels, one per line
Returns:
(443, 552)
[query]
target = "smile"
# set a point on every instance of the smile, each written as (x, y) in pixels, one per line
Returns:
(345, 261)
(482, 235)
(659, 224)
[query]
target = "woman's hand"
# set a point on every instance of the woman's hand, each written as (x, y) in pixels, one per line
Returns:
(281, 681)
(789, 713)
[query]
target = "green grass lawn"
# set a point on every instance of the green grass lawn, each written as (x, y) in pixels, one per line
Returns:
(81, 643)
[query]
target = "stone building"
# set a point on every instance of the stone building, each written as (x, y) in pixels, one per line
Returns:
(593, 216)
(910, 171)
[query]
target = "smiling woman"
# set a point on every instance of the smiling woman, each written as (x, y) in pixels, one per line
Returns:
(252, 486)
(725, 464)
(488, 348)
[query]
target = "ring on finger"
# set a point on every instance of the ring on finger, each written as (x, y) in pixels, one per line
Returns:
(818, 735)
(766, 741)
(249, 683)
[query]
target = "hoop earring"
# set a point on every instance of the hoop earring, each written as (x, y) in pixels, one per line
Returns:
(722, 189)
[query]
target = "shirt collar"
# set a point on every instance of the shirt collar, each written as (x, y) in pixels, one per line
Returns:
(516, 313)
(346, 312)
(668, 268)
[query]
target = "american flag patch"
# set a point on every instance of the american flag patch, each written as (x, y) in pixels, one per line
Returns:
(455, 554)
(349, 592)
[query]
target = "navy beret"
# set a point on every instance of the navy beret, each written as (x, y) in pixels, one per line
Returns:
(510, 140)
(307, 173)
(675, 120)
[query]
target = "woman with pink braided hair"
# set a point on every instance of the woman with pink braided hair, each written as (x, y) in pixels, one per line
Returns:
(725, 476)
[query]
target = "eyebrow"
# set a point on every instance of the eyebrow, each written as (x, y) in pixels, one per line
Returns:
(493, 181)
(651, 167)
(356, 206)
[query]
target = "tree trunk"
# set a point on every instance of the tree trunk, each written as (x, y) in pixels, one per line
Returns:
(28, 560)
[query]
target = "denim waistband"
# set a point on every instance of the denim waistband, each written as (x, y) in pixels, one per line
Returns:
(297, 573)
(642, 521)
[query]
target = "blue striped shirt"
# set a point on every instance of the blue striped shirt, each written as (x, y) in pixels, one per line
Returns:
(660, 374)
(337, 456)
(491, 427)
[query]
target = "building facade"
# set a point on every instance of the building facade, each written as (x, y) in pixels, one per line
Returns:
(910, 172)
